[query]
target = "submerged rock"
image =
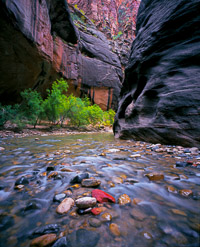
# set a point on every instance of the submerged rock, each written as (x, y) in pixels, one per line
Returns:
(59, 197)
(6, 221)
(83, 238)
(85, 202)
(96, 211)
(61, 242)
(22, 181)
(44, 240)
(186, 192)
(114, 229)
(155, 176)
(51, 228)
(90, 182)
(94, 222)
(84, 211)
(124, 199)
(102, 196)
(79, 178)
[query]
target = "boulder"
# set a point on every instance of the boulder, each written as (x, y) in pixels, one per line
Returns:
(159, 100)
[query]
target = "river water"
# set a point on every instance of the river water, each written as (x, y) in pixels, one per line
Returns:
(159, 213)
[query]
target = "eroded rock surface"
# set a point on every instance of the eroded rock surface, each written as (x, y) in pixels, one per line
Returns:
(39, 43)
(159, 100)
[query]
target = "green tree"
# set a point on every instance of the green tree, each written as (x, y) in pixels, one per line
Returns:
(31, 107)
(55, 102)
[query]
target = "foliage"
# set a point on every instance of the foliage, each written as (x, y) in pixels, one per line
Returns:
(56, 108)
(95, 115)
(54, 103)
(8, 113)
(31, 106)
(108, 117)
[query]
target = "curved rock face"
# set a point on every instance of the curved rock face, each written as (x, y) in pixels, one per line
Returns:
(160, 96)
(39, 43)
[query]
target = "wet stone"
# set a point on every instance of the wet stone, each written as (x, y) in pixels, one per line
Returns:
(65, 206)
(31, 206)
(51, 228)
(6, 221)
(147, 235)
(186, 192)
(61, 242)
(171, 189)
(59, 197)
(117, 180)
(137, 201)
(22, 181)
(86, 238)
(50, 168)
(84, 211)
(114, 229)
(181, 164)
(179, 212)
(138, 215)
(102, 196)
(106, 217)
(86, 202)
(155, 176)
(131, 181)
(94, 222)
(90, 182)
(79, 178)
(43, 240)
(124, 199)
(96, 211)
(53, 175)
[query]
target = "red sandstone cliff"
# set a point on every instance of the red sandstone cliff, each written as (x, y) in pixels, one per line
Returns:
(113, 17)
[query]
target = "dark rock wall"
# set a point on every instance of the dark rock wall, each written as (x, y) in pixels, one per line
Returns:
(160, 96)
(39, 43)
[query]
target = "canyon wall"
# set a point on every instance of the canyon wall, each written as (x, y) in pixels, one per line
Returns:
(160, 96)
(115, 18)
(39, 43)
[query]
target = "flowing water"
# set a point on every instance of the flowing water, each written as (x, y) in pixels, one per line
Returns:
(157, 215)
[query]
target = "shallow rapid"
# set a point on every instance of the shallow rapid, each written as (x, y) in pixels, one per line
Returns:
(156, 188)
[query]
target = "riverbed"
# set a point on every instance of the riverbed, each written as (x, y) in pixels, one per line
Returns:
(160, 184)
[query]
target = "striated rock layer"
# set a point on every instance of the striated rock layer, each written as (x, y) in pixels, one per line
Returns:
(39, 43)
(160, 97)
(115, 18)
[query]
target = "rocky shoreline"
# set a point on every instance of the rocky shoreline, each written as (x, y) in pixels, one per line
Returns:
(49, 130)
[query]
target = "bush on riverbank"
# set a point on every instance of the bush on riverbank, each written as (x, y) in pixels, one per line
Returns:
(57, 109)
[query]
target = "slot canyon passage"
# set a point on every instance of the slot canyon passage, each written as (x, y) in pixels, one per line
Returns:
(138, 187)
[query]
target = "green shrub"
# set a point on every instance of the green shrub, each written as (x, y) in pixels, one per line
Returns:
(8, 113)
(95, 115)
(108, 117)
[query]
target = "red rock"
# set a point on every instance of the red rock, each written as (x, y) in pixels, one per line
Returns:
(96, 211)
(102, 196)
